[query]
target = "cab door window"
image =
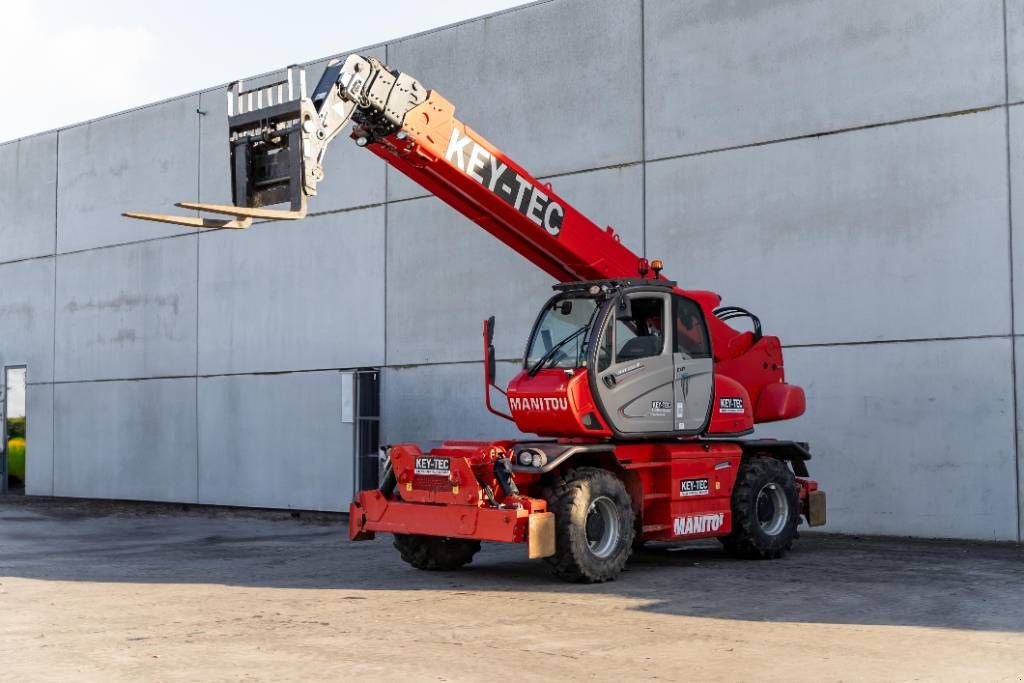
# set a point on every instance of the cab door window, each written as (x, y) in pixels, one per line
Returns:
(691, 335)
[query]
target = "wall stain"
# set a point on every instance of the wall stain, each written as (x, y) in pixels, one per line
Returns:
(20, 310)
(124, 302)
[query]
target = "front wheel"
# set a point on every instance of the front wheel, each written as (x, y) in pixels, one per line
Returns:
(765, 510)
(435, 553)
(594, 527)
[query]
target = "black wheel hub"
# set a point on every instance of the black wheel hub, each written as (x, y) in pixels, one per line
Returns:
(595, 526)
(765, 509)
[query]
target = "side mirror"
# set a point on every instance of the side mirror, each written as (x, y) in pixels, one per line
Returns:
(490, 368)
(623, 308)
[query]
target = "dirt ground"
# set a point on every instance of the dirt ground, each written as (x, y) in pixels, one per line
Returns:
(130, 592)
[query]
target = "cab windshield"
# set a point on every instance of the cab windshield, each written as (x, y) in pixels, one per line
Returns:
(562, 333)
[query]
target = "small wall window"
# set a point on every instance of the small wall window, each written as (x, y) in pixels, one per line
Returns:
(691, 335)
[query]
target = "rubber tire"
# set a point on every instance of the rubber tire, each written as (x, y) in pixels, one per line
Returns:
(436, 553)
(748, 540)
(570, 499)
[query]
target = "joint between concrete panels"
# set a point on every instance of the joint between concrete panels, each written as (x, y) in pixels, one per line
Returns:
(1013, 322)
(643, 128)
(834, 131)
(53, 360)
(386, 58)
(199, 185)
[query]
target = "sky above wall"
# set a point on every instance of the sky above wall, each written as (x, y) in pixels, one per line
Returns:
(65, 62)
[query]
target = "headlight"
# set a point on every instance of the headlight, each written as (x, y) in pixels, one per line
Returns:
(532, 458)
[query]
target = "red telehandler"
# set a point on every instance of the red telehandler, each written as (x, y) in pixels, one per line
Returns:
(638, 390)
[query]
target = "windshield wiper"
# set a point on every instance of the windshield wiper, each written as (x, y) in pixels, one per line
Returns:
(535, 368)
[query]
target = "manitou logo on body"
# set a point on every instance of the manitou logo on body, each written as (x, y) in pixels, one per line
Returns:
(496, 176)
(536, 403)
(697, 524)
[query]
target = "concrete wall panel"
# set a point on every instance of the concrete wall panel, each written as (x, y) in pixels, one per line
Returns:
(133, 440)
(289, 296)
(26, 316)
(39, 441)
(431, 403)
(721, 74)
(446, 274)
(1015, 48)
(910, 438)
(888, 233)
(352, 176)
(275, 441)
(127, 311)
(143, 160)
(556, 86)
(28, 179)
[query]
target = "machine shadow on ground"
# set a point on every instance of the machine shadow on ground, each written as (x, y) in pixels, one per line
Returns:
(826, 579)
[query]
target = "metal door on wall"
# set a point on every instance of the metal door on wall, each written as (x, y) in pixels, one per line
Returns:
(360, 405)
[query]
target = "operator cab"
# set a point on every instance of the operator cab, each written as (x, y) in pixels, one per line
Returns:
(616, 358)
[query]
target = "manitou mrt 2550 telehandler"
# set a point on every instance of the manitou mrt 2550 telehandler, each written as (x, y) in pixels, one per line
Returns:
(638, 390)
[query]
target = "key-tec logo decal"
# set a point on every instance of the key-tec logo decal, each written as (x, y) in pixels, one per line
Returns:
(429, 466)
(539, 403)
(496, 176)
(730, 405)
(697, 524)
(693, 487)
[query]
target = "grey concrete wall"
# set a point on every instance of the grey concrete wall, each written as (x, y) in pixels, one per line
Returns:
(27, 197)
(274, 440)
(850, 172)
(133, 439)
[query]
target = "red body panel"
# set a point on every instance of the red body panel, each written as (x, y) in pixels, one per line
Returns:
(684, 489)
(731, 409)
(554, 403)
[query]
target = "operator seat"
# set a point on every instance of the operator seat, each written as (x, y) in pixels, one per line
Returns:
(639, 347)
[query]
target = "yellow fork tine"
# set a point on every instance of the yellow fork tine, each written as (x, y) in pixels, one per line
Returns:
(193, 221)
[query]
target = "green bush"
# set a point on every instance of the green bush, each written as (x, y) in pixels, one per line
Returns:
(15, 427)
(16, 458)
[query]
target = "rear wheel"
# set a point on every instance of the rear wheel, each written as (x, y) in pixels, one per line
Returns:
(594, 528)
(765, 510)
(436, 553)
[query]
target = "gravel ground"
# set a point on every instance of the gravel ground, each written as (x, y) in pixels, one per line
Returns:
(129, 592)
